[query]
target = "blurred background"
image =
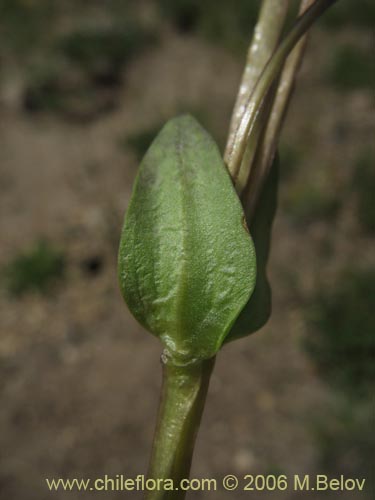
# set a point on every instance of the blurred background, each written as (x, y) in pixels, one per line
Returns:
(84, 88)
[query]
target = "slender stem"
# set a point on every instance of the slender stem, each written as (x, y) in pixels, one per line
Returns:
(266, 35)
(271, 71)
(267, 147)
(182, 401)
(248, 162)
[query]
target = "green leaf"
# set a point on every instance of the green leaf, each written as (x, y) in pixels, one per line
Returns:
(258, 309)
(186, 260)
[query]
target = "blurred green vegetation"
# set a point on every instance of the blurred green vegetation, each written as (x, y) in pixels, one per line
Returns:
(139, 142)
(349, 13)
(30, 24)
(43, 90)
(26, 23)
(290, 159)
(306, 202)
(352, 67)
(342, 341)
(346, 442)
(103, 52)
(70, 94)
(35, 269)
(220, 21)
(364, 185)
(72, 67)
(77, 75)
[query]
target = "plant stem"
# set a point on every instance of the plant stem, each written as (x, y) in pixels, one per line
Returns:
(266, 35)
(267, 148)
(235, 156)
(182, 401)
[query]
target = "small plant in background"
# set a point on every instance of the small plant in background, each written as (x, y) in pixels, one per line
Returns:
(103, 53)
(341, 344)
(364, 185)
(215, 20)
(342, 341)
(34, 270)
(290, 157)
(347, 442)
(348, 13)
(45, 88)
(308, 201)
(72, 71)
(139, 142)
(196, 236)
(79, 76)
(24, 22)
(352, 68)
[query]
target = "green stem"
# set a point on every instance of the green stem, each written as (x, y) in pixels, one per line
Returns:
(271, 71)
(266, 150)
(182, 401)
(266, 36)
